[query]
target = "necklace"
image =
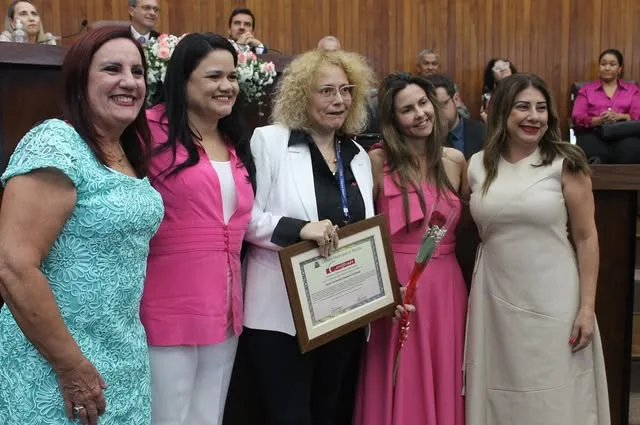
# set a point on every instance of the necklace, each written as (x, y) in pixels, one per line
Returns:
(123, 155)
(331, 162)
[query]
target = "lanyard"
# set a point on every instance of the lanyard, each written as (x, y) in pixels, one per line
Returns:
(343, 188)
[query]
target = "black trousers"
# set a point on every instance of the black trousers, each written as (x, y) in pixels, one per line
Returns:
(316, 388)
(623, 151)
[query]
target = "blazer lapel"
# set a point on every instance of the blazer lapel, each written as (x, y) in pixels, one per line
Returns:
(362, 174)
(299, 158)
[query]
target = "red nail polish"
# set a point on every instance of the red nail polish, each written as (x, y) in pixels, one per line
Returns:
(572, 341)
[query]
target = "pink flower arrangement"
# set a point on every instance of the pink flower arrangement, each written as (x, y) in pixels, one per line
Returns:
(255, 75)
(157, 53)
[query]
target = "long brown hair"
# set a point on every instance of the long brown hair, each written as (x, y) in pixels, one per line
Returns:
(404, 166)
(77, 110)
(551, 144)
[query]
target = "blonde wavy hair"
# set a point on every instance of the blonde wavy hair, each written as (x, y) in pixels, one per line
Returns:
(291, 101)
(41, 37)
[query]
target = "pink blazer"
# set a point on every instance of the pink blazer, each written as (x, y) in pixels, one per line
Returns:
(185, 294)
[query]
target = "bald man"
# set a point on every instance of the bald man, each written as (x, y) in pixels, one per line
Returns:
(329, 44)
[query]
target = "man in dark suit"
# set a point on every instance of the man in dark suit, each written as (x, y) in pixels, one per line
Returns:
(465, 134)
(242, 24)
(143, 15)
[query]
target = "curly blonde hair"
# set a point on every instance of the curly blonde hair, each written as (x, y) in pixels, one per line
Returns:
(291, 101)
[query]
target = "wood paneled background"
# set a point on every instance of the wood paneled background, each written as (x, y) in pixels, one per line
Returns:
(559, 40)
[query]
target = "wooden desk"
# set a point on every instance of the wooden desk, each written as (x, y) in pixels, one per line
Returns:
(615, 189)
(29, 90)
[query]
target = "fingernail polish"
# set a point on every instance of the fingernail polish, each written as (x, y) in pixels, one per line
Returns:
(572, 341)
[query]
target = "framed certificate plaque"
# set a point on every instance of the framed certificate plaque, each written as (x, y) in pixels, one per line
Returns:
(332, 296)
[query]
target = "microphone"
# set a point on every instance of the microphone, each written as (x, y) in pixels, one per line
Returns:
(83, 26)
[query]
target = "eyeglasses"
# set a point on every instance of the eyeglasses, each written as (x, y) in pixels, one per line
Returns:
(330, 92)
(444, 103)
(500, 69)
(149, 8)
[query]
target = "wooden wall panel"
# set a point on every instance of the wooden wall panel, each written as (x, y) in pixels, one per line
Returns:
(559, 40)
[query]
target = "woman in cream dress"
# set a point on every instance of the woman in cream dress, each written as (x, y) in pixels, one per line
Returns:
(533, 351)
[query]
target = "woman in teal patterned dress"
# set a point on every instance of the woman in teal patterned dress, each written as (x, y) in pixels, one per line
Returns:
(75, 224)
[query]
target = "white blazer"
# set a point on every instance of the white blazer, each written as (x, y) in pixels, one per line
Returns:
(285, 188)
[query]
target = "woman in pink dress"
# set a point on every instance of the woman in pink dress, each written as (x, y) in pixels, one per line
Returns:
(414, 174)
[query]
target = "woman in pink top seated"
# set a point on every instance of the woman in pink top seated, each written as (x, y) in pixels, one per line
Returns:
(202, 166)
(607, 100)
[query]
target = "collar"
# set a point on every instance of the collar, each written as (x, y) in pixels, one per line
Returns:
(137, 35)
(348, 146)
(157, 115)
(621, 85)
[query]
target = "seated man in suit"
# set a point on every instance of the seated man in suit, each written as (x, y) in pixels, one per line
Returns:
(242, 24)
(143, 15)
(465, 134)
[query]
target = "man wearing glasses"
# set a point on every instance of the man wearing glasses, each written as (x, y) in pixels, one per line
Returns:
(465, 134)
(143, 15)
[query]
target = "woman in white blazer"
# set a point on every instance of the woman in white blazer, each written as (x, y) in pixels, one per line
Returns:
(300, 163)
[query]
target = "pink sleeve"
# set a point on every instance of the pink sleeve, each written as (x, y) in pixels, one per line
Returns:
(634, 111)
(579, 114)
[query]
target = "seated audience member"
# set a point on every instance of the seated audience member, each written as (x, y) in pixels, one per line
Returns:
(143, 15)
(607, 100)
(25, 11)
(465, 135)
(329, 43)
(497, 69)
(429, 64)
(242, 24)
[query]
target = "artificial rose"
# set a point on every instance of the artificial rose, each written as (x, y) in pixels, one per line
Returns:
(437, 219)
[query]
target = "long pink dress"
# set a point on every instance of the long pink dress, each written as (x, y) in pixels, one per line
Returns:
(428, 390)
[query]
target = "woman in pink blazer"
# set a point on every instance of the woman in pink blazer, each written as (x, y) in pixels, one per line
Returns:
(202, 166)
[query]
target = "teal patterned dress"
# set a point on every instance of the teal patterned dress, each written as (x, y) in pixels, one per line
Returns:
(96, 269)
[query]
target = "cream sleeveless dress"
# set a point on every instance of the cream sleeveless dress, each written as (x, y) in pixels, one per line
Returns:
(519, 368)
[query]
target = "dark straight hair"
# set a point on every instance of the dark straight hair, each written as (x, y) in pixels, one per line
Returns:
(243, 11)
(618, 54)
(188, 54)
(489, 81)
(77, 109)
